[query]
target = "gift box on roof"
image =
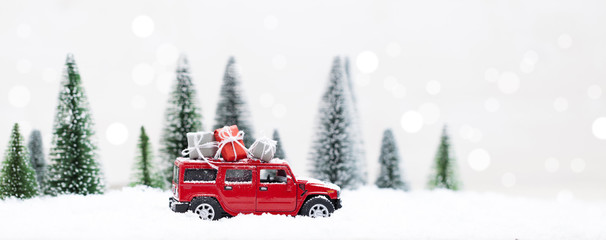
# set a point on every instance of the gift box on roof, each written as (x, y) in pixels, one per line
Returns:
(263, 148)
(230, 144)
(200, 145)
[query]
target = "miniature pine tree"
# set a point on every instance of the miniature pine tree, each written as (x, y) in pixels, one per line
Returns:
(73, 168)
(360, 154)
(232, 108)
(182, 116)
(144, 172)
(279, 150)
(17, 178)
(36, 151)
(332, 153)
(390, 175)
(444, 175)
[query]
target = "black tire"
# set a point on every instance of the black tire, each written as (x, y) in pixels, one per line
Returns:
(318, 206)
(207, 208)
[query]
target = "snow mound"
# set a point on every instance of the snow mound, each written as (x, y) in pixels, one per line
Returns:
(367, 213)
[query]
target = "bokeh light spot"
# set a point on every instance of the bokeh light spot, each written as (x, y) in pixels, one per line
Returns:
(479, 159)
(142, 26)
(577, 165)
(509, 82)
(19, 96)
(565, 41)
(594, 92)
(552, 165)
(367, 62)
(433, 87)
(411, 121)
(599, 128)
(116, 133)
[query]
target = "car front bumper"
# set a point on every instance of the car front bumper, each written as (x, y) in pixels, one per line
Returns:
(336, 203)
(177, 206)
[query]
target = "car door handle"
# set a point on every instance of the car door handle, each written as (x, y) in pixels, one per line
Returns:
(227, 188)
(263, 188)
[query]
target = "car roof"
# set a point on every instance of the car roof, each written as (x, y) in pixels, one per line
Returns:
(219, 162)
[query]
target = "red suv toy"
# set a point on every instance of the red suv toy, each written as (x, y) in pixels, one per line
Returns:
(215, 189)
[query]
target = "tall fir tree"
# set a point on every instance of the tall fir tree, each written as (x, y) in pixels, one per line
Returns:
(36, 151)
(183, 115)
(445, 172)
(390, 175)
(279, 149)
(145, 173)
(74, 167)
(333, 154)
(17, 178)
(232, 108)
(357, 135)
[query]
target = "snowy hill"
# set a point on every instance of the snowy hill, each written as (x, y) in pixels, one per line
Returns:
(368, 213)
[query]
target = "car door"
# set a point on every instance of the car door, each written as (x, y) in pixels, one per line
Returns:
(276, 191)
(238, 188)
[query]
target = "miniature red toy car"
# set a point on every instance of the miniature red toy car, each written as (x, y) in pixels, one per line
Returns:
(215, 189)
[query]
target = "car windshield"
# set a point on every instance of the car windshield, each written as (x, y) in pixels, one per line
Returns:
(176, 175)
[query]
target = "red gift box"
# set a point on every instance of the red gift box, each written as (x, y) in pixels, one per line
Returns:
(231, 145)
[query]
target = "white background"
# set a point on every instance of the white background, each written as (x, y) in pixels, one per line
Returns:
(519, 83)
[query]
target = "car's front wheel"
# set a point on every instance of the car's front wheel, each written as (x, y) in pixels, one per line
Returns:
(318, 206)
(207, 208)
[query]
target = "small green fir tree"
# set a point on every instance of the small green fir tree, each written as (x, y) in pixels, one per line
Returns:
(390, 175)
(182, 115)
(17, 178)
(279, 150)
(445, 172)
(73, 160)
(333, 152)
(145, 173)
(36, 153)
(232, 108)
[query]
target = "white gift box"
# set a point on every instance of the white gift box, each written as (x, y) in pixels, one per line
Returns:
(201, 143)
(263, 148)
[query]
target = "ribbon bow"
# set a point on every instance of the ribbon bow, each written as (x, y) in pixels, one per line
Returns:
(227, 135)
(269, 145)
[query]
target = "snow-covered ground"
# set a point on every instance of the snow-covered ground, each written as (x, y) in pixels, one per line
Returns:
(367, 213)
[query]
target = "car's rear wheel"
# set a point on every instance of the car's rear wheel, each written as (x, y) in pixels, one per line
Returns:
(207, 208)
(205, 211)
(318, 206)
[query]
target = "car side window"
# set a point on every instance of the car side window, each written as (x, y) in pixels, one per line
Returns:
(272, 176)
(200, 175)
(238, 176)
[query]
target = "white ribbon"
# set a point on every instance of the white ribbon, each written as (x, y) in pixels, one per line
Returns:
(197, 146)
(226, 134)
(269, 146)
